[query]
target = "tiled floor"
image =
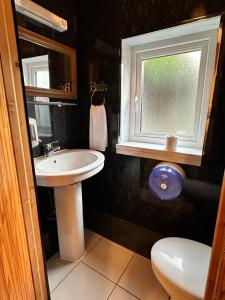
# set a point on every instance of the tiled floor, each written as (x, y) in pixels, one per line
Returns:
(108, 271)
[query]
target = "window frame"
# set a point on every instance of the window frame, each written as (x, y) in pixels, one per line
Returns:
(33, 64)
(196, 41)
(206, 29)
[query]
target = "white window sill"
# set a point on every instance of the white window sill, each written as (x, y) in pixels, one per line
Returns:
(182, 155)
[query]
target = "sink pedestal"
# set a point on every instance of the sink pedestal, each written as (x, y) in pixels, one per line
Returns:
(65, 171)
(69, 215)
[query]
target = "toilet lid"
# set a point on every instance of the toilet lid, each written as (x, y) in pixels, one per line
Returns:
(184, 262)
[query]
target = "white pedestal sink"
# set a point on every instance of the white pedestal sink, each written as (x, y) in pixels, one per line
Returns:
(64, 171)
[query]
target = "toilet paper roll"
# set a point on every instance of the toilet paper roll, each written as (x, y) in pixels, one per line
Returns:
(171, 143)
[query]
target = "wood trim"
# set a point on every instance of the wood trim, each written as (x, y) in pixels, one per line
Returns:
(36, 38)
(51, 93)
(18, 126)
(21, 254)
(215, 287)
(16, 280)
(213, 86)
(41, 40)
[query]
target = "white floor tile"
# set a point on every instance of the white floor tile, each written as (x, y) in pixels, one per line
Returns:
(83, 283)
(108, 258)
(91, 239)
(120, 294)
(57, 269)
(140, 281)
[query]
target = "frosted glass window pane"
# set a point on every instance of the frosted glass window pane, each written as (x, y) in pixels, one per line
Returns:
(169, 93)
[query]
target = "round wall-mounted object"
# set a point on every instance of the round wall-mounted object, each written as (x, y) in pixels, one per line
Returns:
(166, 181)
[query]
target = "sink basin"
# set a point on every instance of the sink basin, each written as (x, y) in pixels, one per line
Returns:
(64, 171)
(67, 167)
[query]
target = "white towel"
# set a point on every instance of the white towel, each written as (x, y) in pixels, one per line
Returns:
(98, 135)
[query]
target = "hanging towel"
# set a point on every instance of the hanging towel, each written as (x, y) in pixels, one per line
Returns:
(98, 135)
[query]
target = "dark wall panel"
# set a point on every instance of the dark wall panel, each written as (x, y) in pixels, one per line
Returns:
(117, 201)
(120, 191)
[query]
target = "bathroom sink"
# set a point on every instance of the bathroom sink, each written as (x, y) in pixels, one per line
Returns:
(64, 171)
(67, 167)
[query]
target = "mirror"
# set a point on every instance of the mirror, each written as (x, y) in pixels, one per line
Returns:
(49, 67)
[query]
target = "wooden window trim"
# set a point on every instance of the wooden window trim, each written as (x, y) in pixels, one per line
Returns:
(38, 39)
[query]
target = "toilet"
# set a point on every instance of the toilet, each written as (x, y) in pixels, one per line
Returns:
(181, 266)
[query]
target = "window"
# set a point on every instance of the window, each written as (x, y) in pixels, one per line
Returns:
(36, 73)
(166, 85)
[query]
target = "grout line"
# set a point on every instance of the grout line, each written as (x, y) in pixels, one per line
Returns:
(125, 291)
(107, 277)
(111, 291)
(81, 260)
(98, 272)
(93, 246)
(129, 292)
(122, 275)
(65, 276)
(126, 267)
(117, 284)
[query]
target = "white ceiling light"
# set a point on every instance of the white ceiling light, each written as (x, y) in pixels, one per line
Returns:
(40, 14)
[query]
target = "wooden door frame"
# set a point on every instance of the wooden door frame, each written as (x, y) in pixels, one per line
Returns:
(215, 289)
(18, 126)
(215, 286)
(16, 281)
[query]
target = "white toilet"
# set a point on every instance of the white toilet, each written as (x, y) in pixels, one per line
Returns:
(181, 266)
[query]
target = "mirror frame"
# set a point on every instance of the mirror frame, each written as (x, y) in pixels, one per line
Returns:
(43, 41)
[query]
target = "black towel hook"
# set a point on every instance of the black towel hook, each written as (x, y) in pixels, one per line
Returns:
(93, 95)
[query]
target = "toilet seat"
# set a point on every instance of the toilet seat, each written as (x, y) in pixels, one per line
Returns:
(182, 264)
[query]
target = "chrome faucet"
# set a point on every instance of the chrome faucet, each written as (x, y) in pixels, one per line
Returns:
(50, 149)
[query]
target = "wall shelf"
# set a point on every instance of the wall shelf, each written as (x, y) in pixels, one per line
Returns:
(59, 104)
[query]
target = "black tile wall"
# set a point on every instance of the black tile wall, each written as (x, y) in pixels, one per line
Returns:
(117, 201)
